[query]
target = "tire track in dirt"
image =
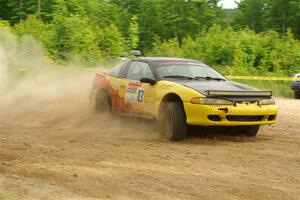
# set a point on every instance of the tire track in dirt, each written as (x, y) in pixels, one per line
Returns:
(82, 162)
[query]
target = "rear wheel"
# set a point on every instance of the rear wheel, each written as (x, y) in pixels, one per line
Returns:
(249, 131)
(102, 101)
(173, 121)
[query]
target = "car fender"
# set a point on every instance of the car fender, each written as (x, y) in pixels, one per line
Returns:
(164, 88)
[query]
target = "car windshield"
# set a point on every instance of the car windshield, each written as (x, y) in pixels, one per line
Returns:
(188, 71)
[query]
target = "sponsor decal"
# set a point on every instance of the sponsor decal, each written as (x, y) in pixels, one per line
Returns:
(133, 86)
(140, 95)
(130, 97)
(132, 89)
(162, 63)
(134, 93)
(135, 83)
(135, 97)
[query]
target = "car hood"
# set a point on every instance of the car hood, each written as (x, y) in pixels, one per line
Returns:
(204, 86)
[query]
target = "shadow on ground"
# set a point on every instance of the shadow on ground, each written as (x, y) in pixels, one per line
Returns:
(217, 133)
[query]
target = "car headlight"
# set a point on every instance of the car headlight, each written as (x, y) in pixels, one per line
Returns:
(209, 101)
(267, 102)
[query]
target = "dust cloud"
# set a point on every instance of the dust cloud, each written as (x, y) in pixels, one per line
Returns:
(35, 92)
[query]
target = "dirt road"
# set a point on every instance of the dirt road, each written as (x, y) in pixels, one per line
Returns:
(53, 147)
(106, 157)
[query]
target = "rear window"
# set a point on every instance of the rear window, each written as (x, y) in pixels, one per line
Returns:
(115, 71)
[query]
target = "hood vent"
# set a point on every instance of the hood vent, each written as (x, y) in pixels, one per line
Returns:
(219, 93)
(239, 96)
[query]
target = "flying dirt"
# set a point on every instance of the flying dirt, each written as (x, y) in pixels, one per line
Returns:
(54, 146)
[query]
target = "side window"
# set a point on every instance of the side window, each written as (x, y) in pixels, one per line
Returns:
(115, 71)
(138, 70)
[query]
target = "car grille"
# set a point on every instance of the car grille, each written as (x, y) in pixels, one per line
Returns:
(245, 118)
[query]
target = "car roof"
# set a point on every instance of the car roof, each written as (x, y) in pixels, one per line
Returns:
(163, 59)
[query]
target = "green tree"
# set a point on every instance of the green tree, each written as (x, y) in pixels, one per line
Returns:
(74, 36)
(283, 14)
(167, 48)
(17, 11)
(251, 14)
(261, 15)
(132, 6)
(180, 18)
(111, 41)
(36, 28)
(133, 31)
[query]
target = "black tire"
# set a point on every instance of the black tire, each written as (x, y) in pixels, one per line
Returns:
(297, 94)
(102, 102)
(249, 131)
(173, 121)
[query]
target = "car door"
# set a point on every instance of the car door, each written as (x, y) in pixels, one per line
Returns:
(116, 86)
(140, 96)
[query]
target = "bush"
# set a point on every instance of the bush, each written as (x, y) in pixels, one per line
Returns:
(74, 37)
(111, 41)
(166, 48)
(36, 28)
(245, 51)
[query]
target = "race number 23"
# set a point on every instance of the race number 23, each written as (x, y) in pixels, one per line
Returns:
(140, 95)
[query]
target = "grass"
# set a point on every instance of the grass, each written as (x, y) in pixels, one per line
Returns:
(279, 88)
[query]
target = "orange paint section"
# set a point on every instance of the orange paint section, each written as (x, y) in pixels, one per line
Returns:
(118, 103)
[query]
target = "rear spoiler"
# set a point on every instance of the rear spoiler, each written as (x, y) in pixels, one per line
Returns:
(219, 93)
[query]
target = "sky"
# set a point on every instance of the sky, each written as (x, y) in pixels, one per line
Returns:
(228, 3)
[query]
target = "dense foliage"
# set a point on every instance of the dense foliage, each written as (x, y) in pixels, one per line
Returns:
(260, 36)
(245, 51)
(261, 15)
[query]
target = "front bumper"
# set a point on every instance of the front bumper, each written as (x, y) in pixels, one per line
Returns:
(230, 115)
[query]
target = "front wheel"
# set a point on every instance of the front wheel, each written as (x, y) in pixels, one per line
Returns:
(173, 121)
(249, 131)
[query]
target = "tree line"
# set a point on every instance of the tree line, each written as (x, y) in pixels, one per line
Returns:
(257, 35)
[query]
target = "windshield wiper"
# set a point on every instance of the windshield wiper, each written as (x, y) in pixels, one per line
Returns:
(197, 77)
(178, 76)
(210, 78)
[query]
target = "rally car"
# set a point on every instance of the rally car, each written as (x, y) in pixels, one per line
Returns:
(295, 85)
(181, 92)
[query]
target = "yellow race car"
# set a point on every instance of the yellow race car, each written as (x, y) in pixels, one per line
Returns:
(181, 92)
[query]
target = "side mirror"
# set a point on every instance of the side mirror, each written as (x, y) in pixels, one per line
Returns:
(151, 81)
